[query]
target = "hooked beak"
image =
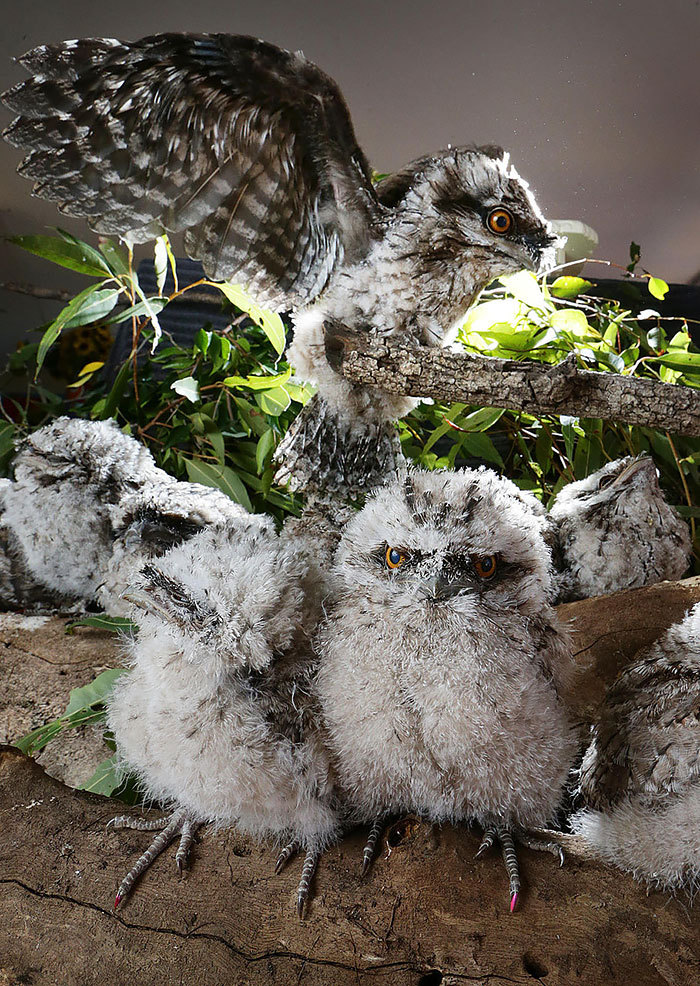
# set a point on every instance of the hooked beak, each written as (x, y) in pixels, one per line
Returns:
(437, 589)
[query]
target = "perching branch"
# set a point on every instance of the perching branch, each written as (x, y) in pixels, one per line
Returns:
(520, 385)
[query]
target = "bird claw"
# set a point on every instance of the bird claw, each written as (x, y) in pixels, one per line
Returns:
(284, 856)
(370, 847)
(505, 837)
(177, 824)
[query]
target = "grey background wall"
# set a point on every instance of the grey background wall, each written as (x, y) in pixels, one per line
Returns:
(598, 101)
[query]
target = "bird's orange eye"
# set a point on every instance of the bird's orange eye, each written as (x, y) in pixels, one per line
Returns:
(485, 567)
(499, 221)
(394, 557)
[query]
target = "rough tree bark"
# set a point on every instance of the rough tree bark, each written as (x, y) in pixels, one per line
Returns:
(428, 913)
(520, 385)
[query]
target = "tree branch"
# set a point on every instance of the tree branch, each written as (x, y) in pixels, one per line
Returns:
(520, 385)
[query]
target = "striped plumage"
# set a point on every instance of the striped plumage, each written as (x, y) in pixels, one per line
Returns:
(243, 146)
(249, 150)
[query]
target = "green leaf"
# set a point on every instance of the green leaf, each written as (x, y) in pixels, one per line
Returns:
(266, 444)
(88, 306)
(491, 313)
(480, 445)
(525, 287)
(202, 340)
(569, 287)
(109, 406)
(106, 779)
(70, 253)
(7, 437)
(86, 705)
(95, 692)
(569, 427)
(142, 308)
(186, 387)
(676, 359)
(257, 382)
(570, 320)
(273, 401)
(657, 287)
(116, 256)
(269, 322)
(300, 393)
(220, 477)
(681, 340)
(115, 624)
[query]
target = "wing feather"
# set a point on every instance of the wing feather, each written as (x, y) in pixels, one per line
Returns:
(246, 148)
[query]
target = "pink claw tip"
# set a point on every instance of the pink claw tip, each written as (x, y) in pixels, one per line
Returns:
(117, 901)
(514, 901)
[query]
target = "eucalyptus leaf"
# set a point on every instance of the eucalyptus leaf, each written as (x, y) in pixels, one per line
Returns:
(266, 444)
(70, 253)
(138, 310)
(269, 322)
(115, 624)
(220, 477)
(273, 401)
(256, 382)
(90, 305)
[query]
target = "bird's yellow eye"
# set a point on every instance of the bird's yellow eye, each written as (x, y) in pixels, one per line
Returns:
(485, 567)
(394, 557)
(500, 221)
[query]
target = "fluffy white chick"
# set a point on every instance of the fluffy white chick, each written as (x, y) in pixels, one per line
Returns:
(156, 516)
(640, 777)
(441, 660)
(216, 717)
(88, 508)
(54, 517)
(614, 530)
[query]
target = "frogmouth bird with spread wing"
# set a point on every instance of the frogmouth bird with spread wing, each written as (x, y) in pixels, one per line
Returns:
(249, 151)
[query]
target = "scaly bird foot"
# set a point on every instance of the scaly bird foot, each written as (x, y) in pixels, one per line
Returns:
(309, 868)
(370, 846)
(510, 858)
(171, 826)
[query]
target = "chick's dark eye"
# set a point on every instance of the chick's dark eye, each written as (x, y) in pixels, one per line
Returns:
(394, 557)
(500, 221)
(606, 481)
(485, 567)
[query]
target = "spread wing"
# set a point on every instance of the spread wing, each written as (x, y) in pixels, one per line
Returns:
(648, 739)
(246, 148)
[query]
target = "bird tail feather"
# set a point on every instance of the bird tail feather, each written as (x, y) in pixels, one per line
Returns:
(328, 459)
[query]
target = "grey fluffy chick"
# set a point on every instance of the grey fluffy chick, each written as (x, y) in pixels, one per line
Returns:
(249, 151)
(640, 777)
(87, 509)
(441, 660)
(55, 530)
(614, 530)
(155, 517)
(216, 717)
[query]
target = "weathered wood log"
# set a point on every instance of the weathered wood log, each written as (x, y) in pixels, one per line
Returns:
(428, 913)
(520, 385)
